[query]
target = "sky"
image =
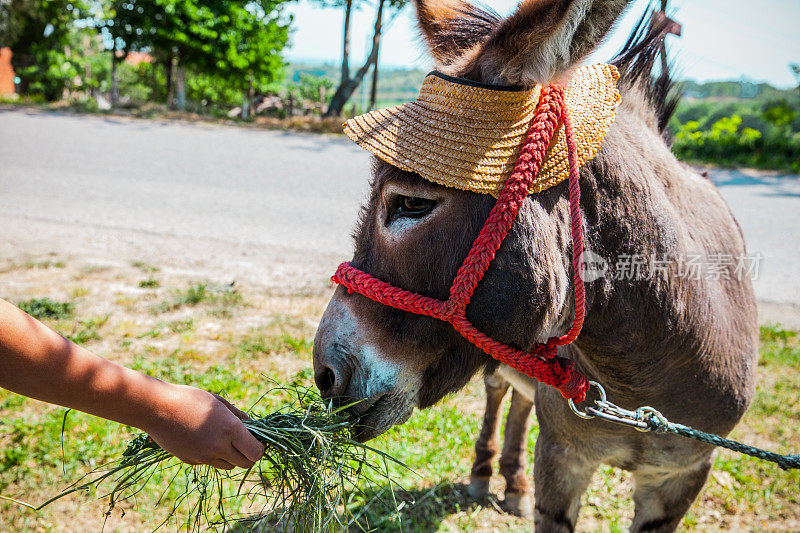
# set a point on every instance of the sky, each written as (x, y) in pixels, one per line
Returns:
(722, 39)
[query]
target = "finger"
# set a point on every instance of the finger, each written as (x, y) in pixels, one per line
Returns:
(241, 415)
(221, 464)
(247, 445)
(235, 457)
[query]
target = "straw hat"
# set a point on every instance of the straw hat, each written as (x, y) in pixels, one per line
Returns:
(463, 134)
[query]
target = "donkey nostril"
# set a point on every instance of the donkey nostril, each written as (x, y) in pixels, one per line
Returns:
(325, 380)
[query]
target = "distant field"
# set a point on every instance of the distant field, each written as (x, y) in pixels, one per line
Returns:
(231, 339)
(395, 86)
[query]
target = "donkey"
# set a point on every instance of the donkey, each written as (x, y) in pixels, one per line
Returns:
(683, 344)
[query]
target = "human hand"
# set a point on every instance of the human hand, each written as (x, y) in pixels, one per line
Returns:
(198, 427)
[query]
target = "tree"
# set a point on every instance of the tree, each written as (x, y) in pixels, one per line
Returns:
(347, 83)
(235, 42)
(153, 26)
(248, 39)
(348, 6)
(39, 33)
(116, 25)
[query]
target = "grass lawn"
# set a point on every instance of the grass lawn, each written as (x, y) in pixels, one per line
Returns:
(233, 340)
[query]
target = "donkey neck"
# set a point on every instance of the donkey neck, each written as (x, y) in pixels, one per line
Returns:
(635, 317)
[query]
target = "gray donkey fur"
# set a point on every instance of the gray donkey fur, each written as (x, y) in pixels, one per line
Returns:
(685, 345)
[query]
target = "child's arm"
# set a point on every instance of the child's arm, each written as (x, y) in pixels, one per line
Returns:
(194, 425)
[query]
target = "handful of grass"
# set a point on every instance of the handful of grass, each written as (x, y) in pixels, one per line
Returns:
(306, 481)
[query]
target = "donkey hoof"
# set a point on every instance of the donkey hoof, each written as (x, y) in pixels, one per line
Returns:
(519, 504)
(478, 488)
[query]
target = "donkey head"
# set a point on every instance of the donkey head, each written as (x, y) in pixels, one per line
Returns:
(415, 234)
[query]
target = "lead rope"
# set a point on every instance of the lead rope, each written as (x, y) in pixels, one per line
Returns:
(650, 419)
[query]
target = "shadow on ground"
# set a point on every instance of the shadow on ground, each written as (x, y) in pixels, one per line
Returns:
(778, 184)
(417, 510)
(384, 510)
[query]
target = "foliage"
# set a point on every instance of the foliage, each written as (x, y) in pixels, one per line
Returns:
(395, 85)
(776, 334)
(255, 346)
(50, 73)
(138, 84)
(250, 36)
(87, 330)
(795, 68)
(727, 89)
(309, 88)
(237, 43)
(224, 296)
(229, 46)
(209, 92)
(762, 132)
(40, 33)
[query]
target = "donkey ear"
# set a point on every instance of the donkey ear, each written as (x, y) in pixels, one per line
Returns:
(543, 39)
(450, 27)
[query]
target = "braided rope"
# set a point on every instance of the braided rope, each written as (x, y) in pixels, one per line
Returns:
(511, 197)
(575, 228)
(541, 362)
(786, 462)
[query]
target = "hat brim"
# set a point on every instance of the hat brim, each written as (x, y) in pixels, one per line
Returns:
(469, 136)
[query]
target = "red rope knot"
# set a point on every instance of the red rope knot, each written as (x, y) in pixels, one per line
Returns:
(575, 389)
(550, 348)
(451, 309)
(560, 374)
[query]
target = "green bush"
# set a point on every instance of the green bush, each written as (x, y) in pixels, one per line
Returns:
(50, 74)
(755, 133)
(210, 93)
(136, 81)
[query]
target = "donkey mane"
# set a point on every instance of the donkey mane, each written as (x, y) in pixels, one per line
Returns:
(636, 60)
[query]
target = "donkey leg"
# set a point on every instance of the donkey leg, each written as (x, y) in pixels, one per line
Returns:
(514, 457)
(662, 498)
(560, 477)
(486, 445)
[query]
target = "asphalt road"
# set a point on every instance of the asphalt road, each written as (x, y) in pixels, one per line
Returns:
(233, 184)
(259, 204)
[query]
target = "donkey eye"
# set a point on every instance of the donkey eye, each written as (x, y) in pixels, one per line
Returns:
(413, 206)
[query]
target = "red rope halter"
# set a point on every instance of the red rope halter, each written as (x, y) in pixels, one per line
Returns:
(541, 362)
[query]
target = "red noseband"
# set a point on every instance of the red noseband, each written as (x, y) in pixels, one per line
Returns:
(541, 362)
